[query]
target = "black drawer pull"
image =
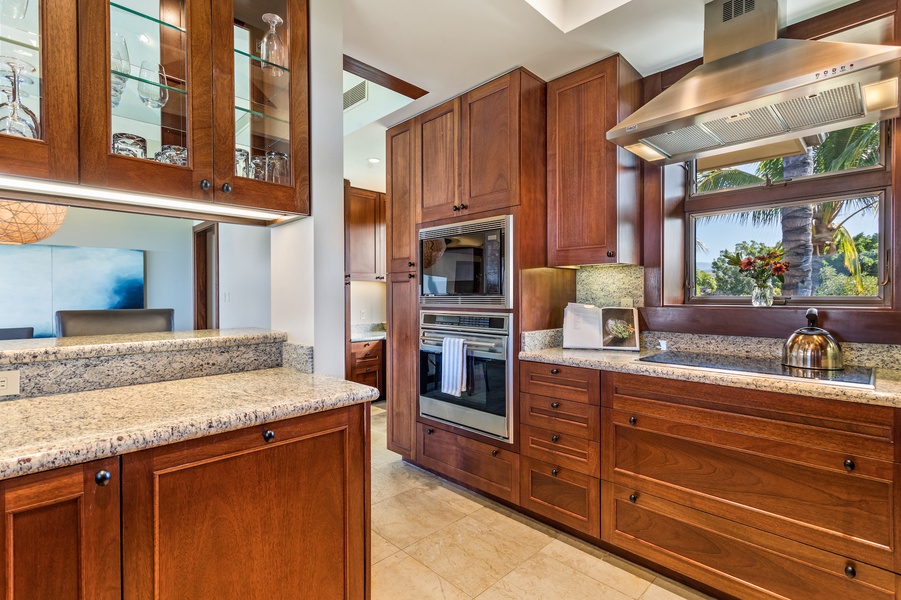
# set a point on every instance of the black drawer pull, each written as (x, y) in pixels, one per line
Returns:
(633, 421)
(554, 371)
(268, 435)
(430, 431)
(554, 472)
(463, 207)
(494, 453)
(205, 185)
(455, 208)
(555, 438)
(366, 345)
(849, 464)
(411, 276)
(850, 572)
(102, 478)
(411, 264)
(227, 188)
(633, 498)
(555, 405)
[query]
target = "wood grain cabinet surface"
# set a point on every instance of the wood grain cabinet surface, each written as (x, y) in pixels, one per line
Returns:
(402, 244)
(218, 98)
(402, 389)
(368, 364)
(567, 496)
(60, 534)
(593, 186)
(364, 235)
(438, 161)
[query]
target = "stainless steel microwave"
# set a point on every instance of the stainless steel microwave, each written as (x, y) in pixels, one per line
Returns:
(467, 264)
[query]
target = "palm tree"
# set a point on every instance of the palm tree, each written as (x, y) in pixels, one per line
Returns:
(809, 230)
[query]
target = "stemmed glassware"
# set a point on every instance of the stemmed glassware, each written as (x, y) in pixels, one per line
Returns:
(121, 62)
(19, 120)
(14, 9)
(154, 96)
(272, 48)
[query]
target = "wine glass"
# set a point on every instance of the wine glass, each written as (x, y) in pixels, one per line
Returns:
(14, 9)
(272, 48)
(18, 120)
(154, 96)
(121, 62)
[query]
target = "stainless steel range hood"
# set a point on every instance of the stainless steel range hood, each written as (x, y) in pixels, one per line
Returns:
(775, 91)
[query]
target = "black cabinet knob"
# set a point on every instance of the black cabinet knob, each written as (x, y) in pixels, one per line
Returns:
(205, 185)
(227, 188)
(456, 208)
(849, 464)
(633, 498)
(411, 276)
(850, 572)
(463, 207)
(554, 472)
(430, 431)
(102, 478)
(494, 453)
(268, 435)
(633, 421)
(346, 283)
(555, 438)
(368, 353)
(411, 264)
(555, 405)
(554, 371)
(610, 253)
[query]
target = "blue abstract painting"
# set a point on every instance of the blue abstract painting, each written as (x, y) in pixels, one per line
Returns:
(36, 281)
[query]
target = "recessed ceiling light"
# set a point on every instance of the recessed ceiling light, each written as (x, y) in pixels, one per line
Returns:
(375, 161)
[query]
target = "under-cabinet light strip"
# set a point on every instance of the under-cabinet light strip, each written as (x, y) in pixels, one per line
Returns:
(38, 186)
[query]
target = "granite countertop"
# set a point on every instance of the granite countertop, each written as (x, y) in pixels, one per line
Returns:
(887, 392)
(369, 336)
(46, 349)
(55, 431)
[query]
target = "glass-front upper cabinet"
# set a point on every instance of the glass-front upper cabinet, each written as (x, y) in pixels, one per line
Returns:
(38, 99)
(264, 51)
(146, 96)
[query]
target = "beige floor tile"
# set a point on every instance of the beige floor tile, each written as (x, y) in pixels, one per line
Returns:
(410, 516)
(400, 577)
(515, 525)
(458, 497)
(378, 408)
(381, 548)
(599, 565)
(544, 578)
(471, 554)
(393, 477)
(667, 589)
(382, 456)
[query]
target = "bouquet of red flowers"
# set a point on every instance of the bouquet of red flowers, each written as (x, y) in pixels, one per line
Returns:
(762, 269)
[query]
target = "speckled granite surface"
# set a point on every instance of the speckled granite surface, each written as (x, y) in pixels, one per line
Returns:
(887, 392)
(55, 431)
(370, 336)
(43, 349)
(538, 340)
(367, 332)
(607, 285)
(297, 357)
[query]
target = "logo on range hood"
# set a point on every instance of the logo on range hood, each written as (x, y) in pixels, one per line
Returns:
(782, 92)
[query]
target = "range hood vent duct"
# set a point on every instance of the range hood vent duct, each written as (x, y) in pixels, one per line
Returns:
(774, 91)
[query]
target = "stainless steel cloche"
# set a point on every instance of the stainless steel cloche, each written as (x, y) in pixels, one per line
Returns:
(812, 347)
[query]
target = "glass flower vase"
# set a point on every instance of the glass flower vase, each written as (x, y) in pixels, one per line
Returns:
(762, 294)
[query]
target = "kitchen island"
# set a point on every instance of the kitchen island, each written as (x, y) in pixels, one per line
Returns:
(246, 485)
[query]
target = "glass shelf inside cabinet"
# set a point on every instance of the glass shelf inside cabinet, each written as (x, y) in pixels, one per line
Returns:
(136, 12)
(21, 83)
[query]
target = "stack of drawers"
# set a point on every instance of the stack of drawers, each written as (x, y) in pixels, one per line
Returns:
(368, 364)
(560, 444)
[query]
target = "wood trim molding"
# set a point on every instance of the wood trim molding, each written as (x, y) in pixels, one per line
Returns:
(386, 80)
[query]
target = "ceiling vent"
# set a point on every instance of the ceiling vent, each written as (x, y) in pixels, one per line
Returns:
(356, 95)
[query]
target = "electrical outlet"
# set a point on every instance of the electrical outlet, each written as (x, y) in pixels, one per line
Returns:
(625, 302)
(363, 316)
(9, 383)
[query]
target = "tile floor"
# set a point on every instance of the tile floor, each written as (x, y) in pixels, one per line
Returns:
(433, 540)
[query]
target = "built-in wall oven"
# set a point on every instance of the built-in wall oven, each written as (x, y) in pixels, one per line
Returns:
(486, 403)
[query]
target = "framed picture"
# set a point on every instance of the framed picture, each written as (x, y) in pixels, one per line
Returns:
(619, 329)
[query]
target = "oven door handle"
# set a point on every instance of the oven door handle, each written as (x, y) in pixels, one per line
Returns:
(468, 343)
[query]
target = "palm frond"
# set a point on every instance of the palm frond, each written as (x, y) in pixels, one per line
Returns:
(720, 179)
(843, 242)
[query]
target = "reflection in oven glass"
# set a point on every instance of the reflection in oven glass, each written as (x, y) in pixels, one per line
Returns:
(485, 383)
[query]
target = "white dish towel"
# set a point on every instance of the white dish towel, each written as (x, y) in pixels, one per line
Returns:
(453, 366)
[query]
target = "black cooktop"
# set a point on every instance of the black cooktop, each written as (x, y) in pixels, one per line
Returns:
(860, 377)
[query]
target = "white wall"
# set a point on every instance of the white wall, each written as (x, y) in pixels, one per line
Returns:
(166, 241)
(308, 255)
(367, 302)
(245, 298)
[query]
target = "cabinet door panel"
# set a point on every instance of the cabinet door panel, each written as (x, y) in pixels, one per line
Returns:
(402, 364)
(567, 496)
(233, 516)
(60, 535)
(362, 210)
(438, 154)
(402, 246)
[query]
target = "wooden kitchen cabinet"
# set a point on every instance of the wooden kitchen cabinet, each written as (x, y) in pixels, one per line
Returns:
(221, 100)
(275, 511)
(368, 364)
(402, 244)
(60, 534)
(364, 234)
(402, 402)
(593, 186)
(437, 172)
(567, 496)
(49, 95)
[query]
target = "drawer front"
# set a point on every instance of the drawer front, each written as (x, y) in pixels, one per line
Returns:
(370, 376)
(803, 493)
(365, 353)
(566, 496)
(561, 449)
(565, 416)
(485, 467)
(739, 560)
(555, 381)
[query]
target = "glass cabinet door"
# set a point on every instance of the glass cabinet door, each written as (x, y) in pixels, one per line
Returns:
(263, 159)
(145, 125)
(38, 102)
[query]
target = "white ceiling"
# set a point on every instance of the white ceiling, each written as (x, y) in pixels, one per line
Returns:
(448, 47)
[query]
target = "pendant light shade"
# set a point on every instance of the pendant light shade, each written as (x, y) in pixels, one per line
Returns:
(28, 222)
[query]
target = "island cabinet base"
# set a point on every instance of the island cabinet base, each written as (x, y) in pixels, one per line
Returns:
(59, 535)
(274, 511)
